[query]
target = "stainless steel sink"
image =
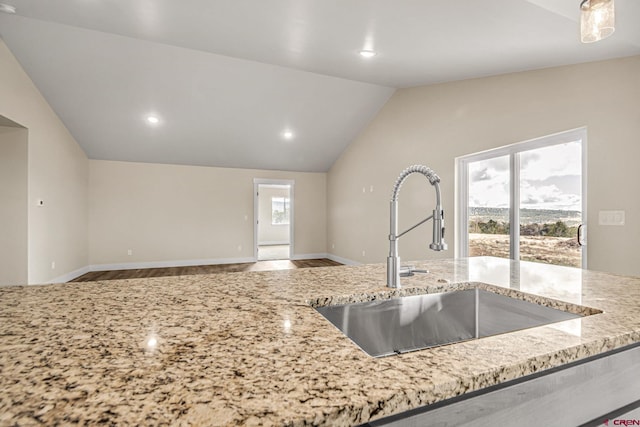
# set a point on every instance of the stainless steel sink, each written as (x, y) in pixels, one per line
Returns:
(399, 325)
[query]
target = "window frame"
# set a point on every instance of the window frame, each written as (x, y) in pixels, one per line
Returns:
(513, 151)
(286, 202)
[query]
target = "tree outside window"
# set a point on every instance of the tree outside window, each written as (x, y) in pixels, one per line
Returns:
(280, 210)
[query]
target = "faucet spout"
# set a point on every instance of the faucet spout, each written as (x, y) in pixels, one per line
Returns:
(437, 244)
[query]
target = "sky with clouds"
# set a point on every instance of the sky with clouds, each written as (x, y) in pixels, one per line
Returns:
(550, 178)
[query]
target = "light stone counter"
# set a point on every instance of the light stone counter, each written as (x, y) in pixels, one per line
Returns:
(248, 349)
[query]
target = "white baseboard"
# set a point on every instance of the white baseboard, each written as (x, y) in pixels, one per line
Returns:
(70, 276)
(274, 243)
(300, 257)
(165, 264)
(341, 260)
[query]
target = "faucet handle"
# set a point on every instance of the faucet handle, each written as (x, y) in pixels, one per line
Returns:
(410, 270)
(406, 270)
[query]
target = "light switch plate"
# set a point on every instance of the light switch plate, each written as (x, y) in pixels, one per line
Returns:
(611, 218)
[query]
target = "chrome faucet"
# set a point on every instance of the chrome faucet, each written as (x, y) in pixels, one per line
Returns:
(438, 244)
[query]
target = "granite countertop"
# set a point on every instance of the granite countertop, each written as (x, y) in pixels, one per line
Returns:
(248, 348)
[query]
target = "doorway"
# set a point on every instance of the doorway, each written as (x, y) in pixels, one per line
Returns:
(539, 186)
(273, 211)
(13, 203)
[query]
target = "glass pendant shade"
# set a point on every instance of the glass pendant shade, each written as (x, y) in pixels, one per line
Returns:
(597, 21)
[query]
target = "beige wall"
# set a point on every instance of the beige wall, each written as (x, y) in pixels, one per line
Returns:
(13, 205)
(433, 125)
(57, 171)
(269, 233)
(173, 213)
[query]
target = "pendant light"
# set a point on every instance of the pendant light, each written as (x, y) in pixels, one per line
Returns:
(597, 20)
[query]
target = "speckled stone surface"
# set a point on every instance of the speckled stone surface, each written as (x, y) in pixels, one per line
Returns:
(248, 348)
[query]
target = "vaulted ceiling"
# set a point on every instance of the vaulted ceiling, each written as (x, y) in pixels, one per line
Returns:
(273, 84)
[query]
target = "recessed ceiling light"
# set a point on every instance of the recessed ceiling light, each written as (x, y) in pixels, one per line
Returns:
(287, 134)
(367, 53)
(154, 120)
(7, 8)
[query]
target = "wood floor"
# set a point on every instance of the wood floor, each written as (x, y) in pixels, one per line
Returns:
(205, 269)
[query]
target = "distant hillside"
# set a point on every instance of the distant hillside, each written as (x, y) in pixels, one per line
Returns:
(527, 216)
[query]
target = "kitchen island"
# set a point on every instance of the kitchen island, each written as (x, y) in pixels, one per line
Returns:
(249, 348)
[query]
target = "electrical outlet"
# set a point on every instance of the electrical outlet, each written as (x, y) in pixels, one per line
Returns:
(239, 248)
(53, 265)
(364, 253)
(129, 252)
(333, 246)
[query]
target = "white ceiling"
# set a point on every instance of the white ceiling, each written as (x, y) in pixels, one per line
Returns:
(227, 78)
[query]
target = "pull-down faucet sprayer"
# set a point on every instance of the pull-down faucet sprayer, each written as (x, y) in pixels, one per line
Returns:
(437, 244)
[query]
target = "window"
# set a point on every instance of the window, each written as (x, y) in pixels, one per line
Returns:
(537, 185)
(280, 210)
